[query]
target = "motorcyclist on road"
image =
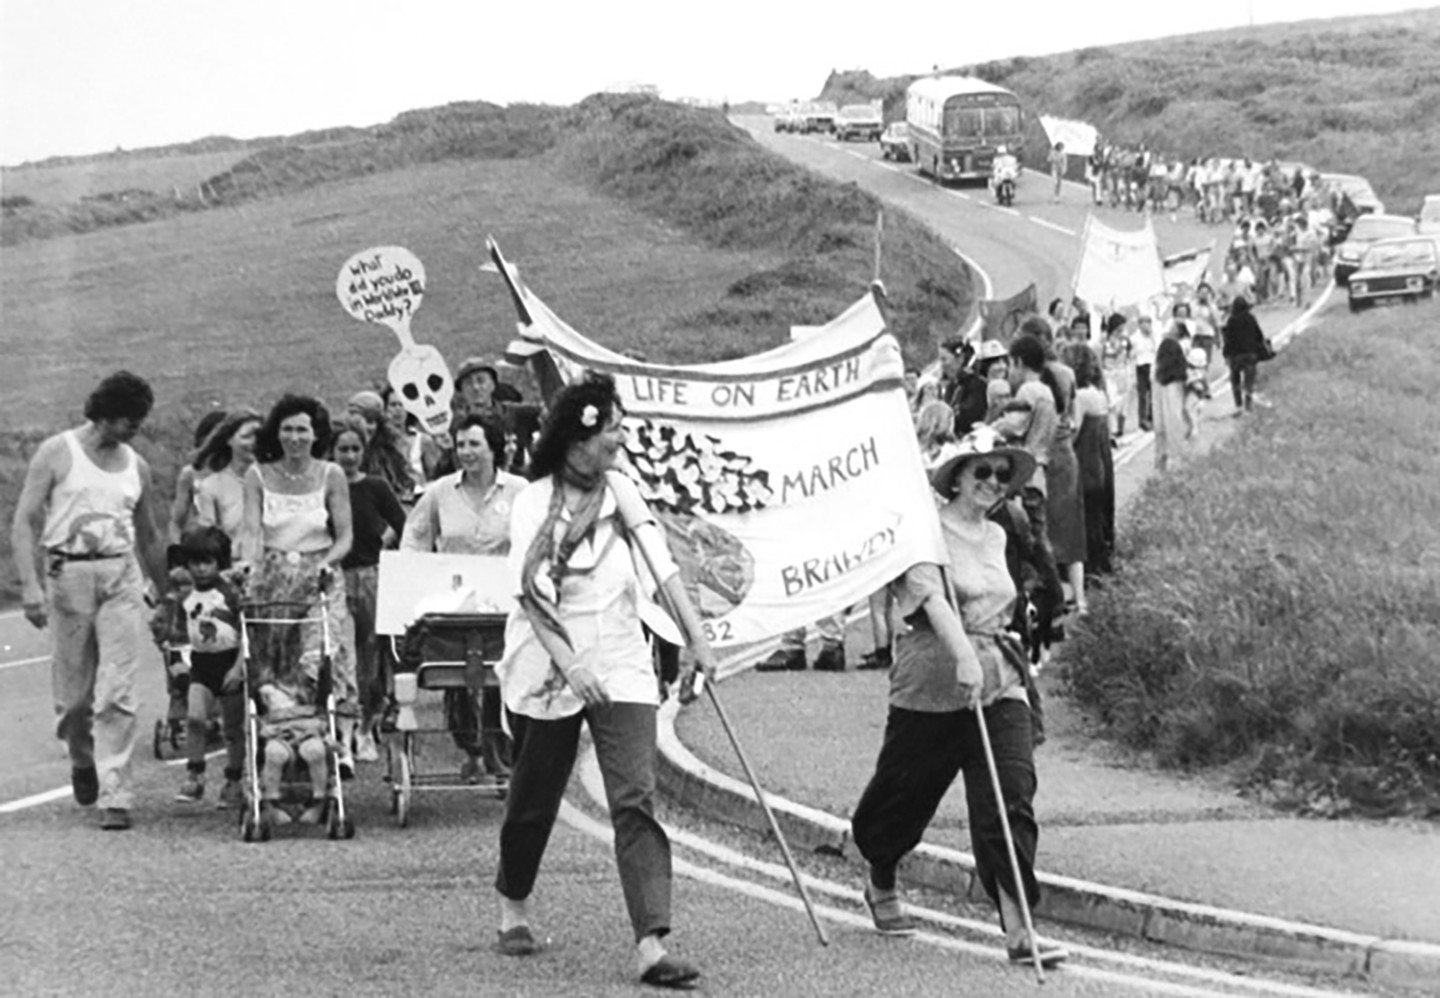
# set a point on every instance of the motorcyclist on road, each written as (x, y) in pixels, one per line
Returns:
(1004, 167)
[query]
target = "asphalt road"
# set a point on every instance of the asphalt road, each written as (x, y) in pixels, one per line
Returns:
(180, 905)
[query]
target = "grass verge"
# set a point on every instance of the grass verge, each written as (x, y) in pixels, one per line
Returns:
(1279, 606)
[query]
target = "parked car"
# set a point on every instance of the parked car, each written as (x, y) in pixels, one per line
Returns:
(859, 121)
(819, 117)
(1395, 270)
(895, 142)
(1369, 229)
(1430, 215)
(789, 119)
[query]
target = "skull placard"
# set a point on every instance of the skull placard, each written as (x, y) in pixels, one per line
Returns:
(422, 381)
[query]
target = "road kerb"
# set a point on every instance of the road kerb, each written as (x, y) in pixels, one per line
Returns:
(717, 795)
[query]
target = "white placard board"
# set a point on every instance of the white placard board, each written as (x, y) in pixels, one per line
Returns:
(407, 577)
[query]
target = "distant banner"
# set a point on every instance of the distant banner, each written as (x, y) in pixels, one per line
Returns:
(788, 483)
(1079, 137)
(1184, 271)
(1002, 317)
(1118, 268)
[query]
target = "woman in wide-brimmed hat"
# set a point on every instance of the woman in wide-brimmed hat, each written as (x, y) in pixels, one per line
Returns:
(954, 661)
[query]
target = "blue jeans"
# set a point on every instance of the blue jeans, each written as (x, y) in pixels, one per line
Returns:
(919, 759)
(624, 736)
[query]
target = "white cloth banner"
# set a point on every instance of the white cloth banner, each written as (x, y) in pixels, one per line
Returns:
(789, 483)
(1078, 136)
(1118, 267)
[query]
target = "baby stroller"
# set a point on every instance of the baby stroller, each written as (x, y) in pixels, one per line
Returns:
(285, 703)
(454, 653)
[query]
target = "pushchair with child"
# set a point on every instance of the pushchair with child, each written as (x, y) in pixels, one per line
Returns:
(292, 759)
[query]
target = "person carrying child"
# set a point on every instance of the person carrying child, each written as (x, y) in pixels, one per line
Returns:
(211, 613)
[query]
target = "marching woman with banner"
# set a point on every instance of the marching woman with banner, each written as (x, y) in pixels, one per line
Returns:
(575, 651)
(957, 688)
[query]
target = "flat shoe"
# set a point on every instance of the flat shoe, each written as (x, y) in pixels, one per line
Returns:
(1051, 955)
(668, 973)
(888, 915)
(519, 941)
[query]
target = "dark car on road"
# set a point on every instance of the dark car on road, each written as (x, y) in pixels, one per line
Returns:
(1394, 270)
(895, 142)
(1366, 230)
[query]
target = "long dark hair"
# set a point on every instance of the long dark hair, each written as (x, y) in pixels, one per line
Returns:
(214, 450)
(267, 441)
(564, 423)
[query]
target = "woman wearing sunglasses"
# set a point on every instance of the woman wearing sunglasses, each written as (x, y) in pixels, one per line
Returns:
(954, 659)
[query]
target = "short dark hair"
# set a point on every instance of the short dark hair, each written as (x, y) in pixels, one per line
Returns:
(1029, 352)
(564, 426)
(204, 544)
(122, 395)
(494, 433)
(267, 441)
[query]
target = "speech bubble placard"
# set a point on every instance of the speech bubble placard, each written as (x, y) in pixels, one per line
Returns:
(383, 284)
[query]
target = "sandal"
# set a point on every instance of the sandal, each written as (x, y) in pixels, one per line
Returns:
(669, 973)
(519, 941)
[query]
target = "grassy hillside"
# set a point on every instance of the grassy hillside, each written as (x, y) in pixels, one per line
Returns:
(1279, 604)
(1349, 95)
(648, 226)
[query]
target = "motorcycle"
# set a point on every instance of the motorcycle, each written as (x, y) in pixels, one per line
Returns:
(1002, 183)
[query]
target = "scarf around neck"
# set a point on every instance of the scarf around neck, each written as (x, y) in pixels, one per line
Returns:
(543, 548)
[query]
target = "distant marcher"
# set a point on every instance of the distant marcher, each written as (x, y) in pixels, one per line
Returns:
(421, 450)
(1170, 377)
(934, 428)
(1142, 354)
(1096, 460)
(961, 387)
(1059, 163)
(86, 512)
(1243, 344)
(1119, 368)
(385, 453)
(955, 661)
(185, 506)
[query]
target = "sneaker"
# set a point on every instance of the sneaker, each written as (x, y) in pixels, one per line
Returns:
(888, 913)
(784, 660)
(365, 750)
(831, 658)
(231, 796)
(192, 791)
(85, 783)
(115, 819)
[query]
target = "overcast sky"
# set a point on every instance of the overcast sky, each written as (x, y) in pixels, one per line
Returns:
(80, 76)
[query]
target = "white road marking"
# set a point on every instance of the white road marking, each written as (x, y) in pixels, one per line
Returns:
(1051, 225)
(857, 155)
(959, 194)
(46, 796)
(1143, 968)
(24, 661)
(11, 614)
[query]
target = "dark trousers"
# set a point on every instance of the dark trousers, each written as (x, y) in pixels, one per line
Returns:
(624, 736)
(1144, 409)
(919, 759)
(1099, 530)
(1048, 595)
(1242, 379)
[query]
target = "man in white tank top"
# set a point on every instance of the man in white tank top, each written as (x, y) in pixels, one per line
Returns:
(83, 527)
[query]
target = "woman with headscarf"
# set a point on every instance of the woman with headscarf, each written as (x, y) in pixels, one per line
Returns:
(575, 651)
(958, 666)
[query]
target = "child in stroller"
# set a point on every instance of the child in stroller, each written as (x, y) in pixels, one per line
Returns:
(292, 726)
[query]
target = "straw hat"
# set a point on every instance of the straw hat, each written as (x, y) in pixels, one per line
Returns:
(982, 441)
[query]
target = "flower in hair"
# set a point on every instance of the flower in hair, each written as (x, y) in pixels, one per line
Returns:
(589, 416)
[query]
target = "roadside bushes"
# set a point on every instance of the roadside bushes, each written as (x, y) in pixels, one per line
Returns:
(1279, 606)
